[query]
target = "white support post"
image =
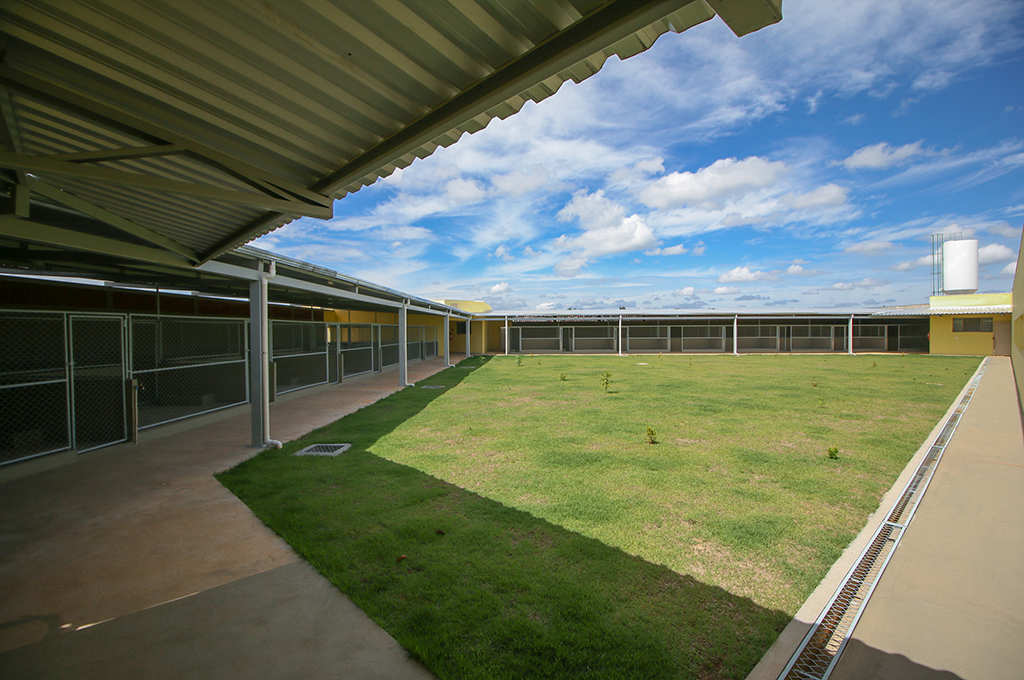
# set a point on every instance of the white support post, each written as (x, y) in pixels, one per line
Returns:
(259, 359)
(735, 335)
(620, 335)
(506, 336)
(849, 346)
(469, 324)
(403, 347)
(448, 341)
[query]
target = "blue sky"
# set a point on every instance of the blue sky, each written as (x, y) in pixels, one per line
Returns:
(800, 167)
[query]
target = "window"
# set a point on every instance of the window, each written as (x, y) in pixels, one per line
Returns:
(460, 327)
(978, 324)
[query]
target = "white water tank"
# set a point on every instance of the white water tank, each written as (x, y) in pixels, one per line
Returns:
(960, 267)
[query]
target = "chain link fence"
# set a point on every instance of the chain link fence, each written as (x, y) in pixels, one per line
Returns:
(187, 366)
(299, 353)
(33, 385)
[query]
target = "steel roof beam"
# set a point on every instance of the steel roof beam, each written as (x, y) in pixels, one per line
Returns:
(85, 207)
(43, 165)
(117, 154)
(150, 132)
(36, 232)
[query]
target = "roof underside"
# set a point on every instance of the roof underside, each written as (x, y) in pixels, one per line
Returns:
(151, 136)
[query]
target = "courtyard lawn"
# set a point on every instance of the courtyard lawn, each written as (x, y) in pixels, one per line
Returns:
(517, 522)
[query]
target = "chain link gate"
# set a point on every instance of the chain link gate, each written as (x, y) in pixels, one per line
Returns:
(33, 385)
(97, 381)
(187, 366)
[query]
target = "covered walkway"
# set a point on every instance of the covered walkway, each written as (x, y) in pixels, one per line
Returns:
(135, 562)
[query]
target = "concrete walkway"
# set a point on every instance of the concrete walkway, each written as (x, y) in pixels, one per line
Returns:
(134, 562)
(950, 603)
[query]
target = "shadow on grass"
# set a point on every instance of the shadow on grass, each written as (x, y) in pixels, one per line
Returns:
(475, 589)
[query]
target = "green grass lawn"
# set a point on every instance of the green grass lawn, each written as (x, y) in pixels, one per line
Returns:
(517, 523)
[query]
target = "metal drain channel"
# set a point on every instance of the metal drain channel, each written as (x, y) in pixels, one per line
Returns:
(818, 653)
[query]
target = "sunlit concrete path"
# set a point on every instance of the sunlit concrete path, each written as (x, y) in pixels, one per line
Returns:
(135, 562)
(950, 603)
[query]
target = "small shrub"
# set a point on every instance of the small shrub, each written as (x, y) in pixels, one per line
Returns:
(821, 402)
(561, 376)
(519, 360)
(651, 435)
(874, 364)
(814, 383)
(833, 452)
(606, 380)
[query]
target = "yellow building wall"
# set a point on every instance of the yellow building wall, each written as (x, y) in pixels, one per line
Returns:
(494, 327)
(458, 340)
(944, 341)
(972, 300)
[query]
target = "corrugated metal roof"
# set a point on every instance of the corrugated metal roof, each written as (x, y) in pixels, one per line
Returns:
(198, 126)
(904, 310)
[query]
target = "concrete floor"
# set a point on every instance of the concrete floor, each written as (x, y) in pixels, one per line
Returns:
(135, 562)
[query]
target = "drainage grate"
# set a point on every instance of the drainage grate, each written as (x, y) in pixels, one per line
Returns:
(323, 450)
(431, 387)
(820, 650)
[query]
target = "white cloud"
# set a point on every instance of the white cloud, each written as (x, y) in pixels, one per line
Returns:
(724, 177)
(684, 292)
(1004, 229)
(518, 182)
(869, 247)
(880, 156)
(462, 191)
(546, 305)
(743, 275)
(798, 270)
(923, 261)
(502, 253)
(726, 290)
(827, 196)
(630, 234)
(639, 170)
(593, 211)
(850, 285)
(671, 250)
(699, 248)
(403, 233)
(995, 252)
(1010, 269)
(499, 288)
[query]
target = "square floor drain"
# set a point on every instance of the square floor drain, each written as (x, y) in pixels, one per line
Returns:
(431, 387)
(323, 450)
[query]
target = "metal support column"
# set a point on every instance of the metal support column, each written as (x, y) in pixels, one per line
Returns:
(448, 341)
(620, 335)
(403, 346)
(469, 323)
(506, 336)
(849, 346)
(259, 359)
(736, 335)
